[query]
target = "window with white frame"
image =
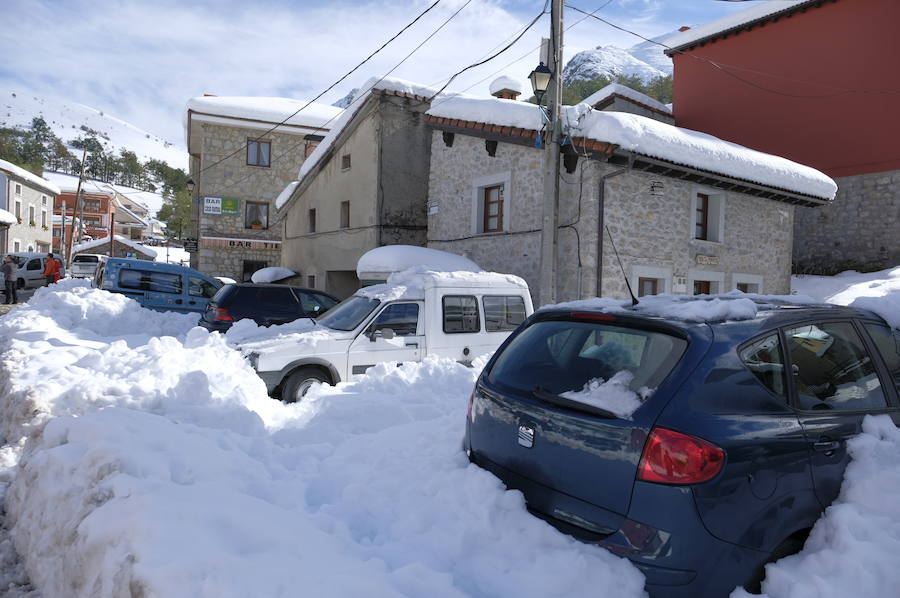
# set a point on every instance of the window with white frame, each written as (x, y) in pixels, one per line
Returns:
(707, 216)
(702, 282)
(491, 203)
(44, 218)
(18, 189)
(19, 210)
(43, 200)
(747, 283)
(31, 216)
(650, 280)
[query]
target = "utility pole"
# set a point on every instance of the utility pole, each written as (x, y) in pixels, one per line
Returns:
(67, 255)
(550, 222)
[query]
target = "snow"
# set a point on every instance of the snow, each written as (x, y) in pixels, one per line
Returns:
(8, 217)
(623, 90)
(412, 282)
(286, 193)
(612, 395)
(119, 239)
(731, 21)
(69, 183)
(172, 255)
(28, 177)
(155, 464)
(268, 110)
(651, 138)
(505, 82)
(394, 258)
(876, 291)
(271, 274)
(610, 62)
(66, 119)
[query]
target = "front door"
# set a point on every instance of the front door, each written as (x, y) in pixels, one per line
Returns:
(835, 385)
(404, 319)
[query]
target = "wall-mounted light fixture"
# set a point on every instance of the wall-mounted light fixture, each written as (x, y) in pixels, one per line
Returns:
(448, 138)
(491, 146)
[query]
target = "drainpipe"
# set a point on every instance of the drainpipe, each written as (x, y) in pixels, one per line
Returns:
(600, 219)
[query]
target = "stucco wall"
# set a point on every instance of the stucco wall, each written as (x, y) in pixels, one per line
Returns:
(859, 230)
(27, 236)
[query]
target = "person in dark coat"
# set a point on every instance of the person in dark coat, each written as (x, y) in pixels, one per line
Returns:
(9, 271)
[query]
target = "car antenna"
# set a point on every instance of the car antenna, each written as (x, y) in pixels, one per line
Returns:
(634, 300)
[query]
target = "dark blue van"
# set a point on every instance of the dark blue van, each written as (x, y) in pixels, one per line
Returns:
(725, 463)
(157, 285)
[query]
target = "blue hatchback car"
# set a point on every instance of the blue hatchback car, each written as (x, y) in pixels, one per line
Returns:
(725, 465)
(156, 285)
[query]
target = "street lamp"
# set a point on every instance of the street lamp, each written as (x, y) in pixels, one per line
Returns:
(540, 80)
(190, 186)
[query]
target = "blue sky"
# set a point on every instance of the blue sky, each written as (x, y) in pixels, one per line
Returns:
(141, 60)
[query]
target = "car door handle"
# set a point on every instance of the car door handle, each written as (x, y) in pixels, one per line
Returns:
(416, 345)
(826, 446)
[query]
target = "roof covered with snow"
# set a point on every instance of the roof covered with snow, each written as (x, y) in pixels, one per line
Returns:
(505, 82)
(269, 110)
(732, 22)
(648, 137)
(7, 218)
(119, 239)
(395, 258)
(617, 89)
(411, 283)
(29, 177)
(68, 183)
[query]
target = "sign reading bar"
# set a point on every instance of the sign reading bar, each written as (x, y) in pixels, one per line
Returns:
(218, 205)
(209, 242)
(708, 260)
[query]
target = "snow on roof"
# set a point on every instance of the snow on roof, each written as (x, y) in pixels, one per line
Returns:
(7, 218)
(28, 177)
(286, 193)
(271, 274)
(68, 183)
(625, 91)
(374, 83)
(119, 239)
(412, 282)
(651, 138)
(732, 21)
(271, 110)
(505, 82)
(396, 258)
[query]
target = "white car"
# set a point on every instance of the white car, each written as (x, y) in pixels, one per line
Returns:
(84, 265)
(459, 315)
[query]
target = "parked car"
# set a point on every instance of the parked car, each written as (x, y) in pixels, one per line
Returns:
(728, 460)
(456, 316)
(84, 265)
(265, 304)
(157, 285)
(31, 268)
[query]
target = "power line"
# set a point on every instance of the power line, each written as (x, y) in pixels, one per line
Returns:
(330, 87)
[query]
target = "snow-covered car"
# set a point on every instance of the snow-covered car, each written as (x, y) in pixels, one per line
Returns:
(84, 265)
(459, 315)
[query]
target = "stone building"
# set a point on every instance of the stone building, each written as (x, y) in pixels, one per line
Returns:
(28, 199)
(616, 97)
(688, 213)
(365, 186)
(243, 152)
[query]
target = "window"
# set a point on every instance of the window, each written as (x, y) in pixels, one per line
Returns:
(402, 318)
(43, 200)
(197, 287)
(311, 281)
(248, 267)
(18, 189)
(832, 369)
(460, 314)
(705, 282)
(702, 287)
(345, 162)
(888, 343)
(44, 218)
(17, 246)
(493, 209)
(258, 152)
(345, 214)
(57, 232)
(34, 264)
(764, 358)
(503, 312)
(19, 210)
(648, 286)
(311, 225)
(145, 280)
(91, 205)
(314, 303)
(747, 283)
(708, 213)
(256, 215)
(31, 216)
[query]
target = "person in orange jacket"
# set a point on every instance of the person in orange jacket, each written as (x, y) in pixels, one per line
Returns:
(51, 270)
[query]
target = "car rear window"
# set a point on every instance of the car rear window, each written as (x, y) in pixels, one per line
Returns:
(88, 259)
(562, 356)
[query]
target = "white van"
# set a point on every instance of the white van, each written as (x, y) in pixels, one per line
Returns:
(31, 268)
(84, 265)
(459, 315)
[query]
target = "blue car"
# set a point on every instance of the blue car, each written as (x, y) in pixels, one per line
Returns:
(737, 443)
(157, 285)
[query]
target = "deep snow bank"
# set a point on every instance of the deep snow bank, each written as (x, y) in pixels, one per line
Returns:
(875, 291)
(157, 466)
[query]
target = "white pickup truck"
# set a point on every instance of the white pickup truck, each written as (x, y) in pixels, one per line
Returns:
(459, 315)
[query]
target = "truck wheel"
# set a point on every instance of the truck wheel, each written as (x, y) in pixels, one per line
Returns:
(20, 283)
(298, 383)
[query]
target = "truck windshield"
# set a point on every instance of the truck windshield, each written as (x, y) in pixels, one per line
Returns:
(348, 313)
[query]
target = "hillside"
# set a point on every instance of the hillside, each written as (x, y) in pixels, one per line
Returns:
(645, 61)
(66, 119)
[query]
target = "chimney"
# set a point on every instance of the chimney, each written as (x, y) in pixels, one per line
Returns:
(683, 28)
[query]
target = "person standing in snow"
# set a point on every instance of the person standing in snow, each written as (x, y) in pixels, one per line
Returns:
(51, 270)
(9, 271)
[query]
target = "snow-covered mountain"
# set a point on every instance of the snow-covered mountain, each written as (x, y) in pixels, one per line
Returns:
(645, 60)
(345, 101)
(67, 119)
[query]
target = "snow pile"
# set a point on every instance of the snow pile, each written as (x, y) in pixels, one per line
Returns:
(708, 308)
(31, 179)
(612, 395)
(157, 466)
(875, 291)
(394, 258)
(412, 282)
(271, 274)
(505, 82)
(760, 11)
(7, 217)
(625, 91)
(851, 549)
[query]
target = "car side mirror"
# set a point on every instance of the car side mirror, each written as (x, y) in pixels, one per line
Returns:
(385, 333)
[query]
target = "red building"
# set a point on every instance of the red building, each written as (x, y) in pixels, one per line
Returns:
(815, 81)
(96, 214)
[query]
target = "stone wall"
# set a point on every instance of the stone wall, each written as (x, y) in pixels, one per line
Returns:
(859, 230)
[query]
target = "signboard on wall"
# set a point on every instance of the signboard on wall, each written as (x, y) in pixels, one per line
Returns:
(230, 207)
(221, 206)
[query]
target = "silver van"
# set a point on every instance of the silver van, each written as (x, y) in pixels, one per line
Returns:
(31, 268)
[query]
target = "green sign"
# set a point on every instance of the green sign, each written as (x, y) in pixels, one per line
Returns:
(231, 206)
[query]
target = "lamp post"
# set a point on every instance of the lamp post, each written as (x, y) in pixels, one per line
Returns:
(540, 80)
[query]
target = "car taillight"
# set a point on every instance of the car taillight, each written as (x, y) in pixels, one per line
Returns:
(221, 315)
(671, 457)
